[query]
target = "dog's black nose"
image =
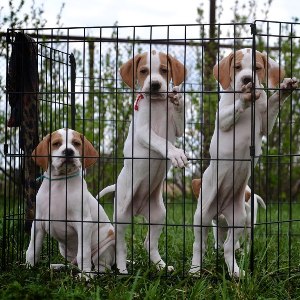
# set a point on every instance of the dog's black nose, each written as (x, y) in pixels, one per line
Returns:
(68, 152)
(155, 86)
(246, 80)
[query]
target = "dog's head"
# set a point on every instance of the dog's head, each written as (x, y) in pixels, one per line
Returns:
(66, 150)
(236, 70)
(153, 72)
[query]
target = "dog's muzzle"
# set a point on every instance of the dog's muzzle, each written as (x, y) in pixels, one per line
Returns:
(246, 80)
(155, 89)
(69, 153)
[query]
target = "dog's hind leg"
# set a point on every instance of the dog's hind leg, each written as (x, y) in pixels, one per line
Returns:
(155, 214)
(202, 222)
(236, 218)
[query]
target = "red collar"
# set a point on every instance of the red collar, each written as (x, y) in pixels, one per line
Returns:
(139, 97)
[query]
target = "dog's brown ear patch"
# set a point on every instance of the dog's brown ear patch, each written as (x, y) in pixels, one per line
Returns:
(40, 154)
(275, 73)
(128, 71)
(90, 154)
(178, 71)
(221, 71)
(196, 186)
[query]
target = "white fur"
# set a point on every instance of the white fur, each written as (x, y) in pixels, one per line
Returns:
(67, 211)
(152, 134)
(225, 180)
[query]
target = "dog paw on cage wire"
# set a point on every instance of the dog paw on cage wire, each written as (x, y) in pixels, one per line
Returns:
(287, 86)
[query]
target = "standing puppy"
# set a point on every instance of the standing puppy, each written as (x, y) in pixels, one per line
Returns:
(224, 181)
(150, 141)
(65, 208)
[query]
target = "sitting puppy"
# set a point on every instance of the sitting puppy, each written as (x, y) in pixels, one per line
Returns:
(220, 227)
(158, 120)
(65, 208)
(244, 116)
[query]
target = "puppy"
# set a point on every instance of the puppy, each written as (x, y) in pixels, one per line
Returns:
(225, 180)
(220, 227)
(158, 119)
(65, 208)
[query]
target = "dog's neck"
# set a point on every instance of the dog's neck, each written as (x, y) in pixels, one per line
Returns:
(62, 173)
(147, 97)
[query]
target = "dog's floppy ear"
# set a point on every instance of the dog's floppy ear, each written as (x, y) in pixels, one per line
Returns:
(178, 71)
(221, 71)
(89, 152)
(275, 72)
(196, 185)
(129, 69)
(40, 154)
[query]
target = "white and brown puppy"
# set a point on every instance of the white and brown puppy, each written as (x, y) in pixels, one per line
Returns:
(220, 226)
(225, 180)
(65, 208)
(158, 120)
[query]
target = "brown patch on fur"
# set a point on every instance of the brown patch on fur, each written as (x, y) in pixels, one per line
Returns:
(236, 61)
(275, 73)
(142, 70)
(196, 185)
(89, 153)
(261, 64)
(221, 71)
(247, 196)
(178, 70)
(110, 233)
(129, 70)
(40, 154)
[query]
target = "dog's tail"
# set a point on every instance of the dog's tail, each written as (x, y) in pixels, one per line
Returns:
(106, 190)
(261, 202)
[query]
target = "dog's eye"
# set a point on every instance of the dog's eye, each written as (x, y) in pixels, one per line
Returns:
(76, 144)
(56, 144)
(238, 67)
(143, 71)
(164, 70)
(258, 68)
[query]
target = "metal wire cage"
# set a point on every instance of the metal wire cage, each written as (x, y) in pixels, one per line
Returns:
(78, 86)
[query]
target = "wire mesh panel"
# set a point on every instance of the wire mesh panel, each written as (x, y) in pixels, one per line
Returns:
(80, 87)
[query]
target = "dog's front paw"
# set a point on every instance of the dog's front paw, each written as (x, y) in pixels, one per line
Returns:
(246, 94)
(287, 86)
(176, 97)
(177, 157)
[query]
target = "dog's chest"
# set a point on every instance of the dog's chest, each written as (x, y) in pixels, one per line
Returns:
(160, 116)
(63, 199)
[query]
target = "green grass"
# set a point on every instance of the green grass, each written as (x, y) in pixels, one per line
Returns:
(276, 264)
